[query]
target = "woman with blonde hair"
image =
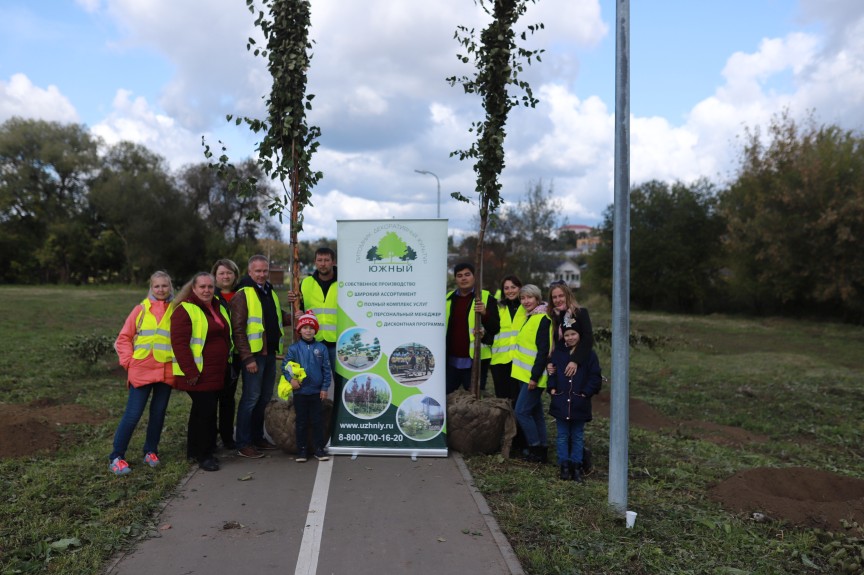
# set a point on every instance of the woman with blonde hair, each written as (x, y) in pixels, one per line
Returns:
(201, 339)
(530, 357)
(144, 349)
(565, 309)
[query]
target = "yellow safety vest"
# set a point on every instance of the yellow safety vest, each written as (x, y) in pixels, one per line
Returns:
(255, 319)
(325, 308)
(505, 340)
(199, 336)
(152, 336)
(525, 351)
(485, 350)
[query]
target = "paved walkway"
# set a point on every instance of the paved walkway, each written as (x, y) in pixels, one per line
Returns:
(375, 515)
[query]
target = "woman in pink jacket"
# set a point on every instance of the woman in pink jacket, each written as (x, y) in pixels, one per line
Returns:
(144, 349)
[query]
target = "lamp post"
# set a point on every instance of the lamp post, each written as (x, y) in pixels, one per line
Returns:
(439, 188)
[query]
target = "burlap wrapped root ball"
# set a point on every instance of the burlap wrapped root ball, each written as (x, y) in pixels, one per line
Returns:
(485, 425)
(280, 423)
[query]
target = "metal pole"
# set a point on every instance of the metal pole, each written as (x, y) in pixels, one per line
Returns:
(439, 189)
(620, 409)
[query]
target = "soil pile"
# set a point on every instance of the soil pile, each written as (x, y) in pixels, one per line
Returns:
(646, 417)
(39, 425)
(795, 494)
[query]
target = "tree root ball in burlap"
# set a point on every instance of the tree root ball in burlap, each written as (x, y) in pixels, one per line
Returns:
(485, 425)
(280, 423)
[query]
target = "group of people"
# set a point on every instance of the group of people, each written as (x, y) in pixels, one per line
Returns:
(200, 340)
(220, 326)
(529, 344)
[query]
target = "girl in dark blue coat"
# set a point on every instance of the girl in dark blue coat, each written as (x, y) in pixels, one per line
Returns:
(571, 400)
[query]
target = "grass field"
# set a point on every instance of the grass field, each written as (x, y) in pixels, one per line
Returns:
(797, 383)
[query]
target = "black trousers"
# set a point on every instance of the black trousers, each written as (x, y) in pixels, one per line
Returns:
(227, 403)
(201, 429)
(505, 386)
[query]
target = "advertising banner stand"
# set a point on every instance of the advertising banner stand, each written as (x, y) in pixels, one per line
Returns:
(390, 348)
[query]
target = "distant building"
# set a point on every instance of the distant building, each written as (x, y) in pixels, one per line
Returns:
(587, 238)
(568, 272)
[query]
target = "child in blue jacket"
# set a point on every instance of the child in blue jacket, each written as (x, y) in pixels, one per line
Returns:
(571, 400)
(310, 389)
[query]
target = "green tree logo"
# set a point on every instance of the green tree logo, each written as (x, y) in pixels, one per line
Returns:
(391, 247)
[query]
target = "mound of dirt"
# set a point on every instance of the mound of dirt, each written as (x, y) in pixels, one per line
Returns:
(641, 414)
(646, 417)
(799, 495)
(38, 426)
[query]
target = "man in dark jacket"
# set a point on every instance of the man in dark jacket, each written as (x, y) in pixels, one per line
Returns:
(461, 307)
(256, 319)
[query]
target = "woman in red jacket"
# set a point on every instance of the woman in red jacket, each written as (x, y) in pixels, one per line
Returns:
(144, 350)
(201, 340)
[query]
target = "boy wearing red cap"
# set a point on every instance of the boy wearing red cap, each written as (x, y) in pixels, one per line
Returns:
(309, 393)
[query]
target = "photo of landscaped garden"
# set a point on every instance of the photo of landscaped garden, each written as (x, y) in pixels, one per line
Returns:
(420, 417)
(366, 396)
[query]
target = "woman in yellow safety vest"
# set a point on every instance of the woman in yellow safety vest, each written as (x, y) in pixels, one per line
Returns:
(201, 338)
(144, 349)
(530, 358)
(512, 316)
(227, 274)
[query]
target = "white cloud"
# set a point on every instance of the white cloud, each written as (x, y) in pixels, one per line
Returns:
(19, 97)
(134, 120)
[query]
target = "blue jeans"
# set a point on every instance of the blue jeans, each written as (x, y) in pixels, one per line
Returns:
(307, 408)
(257, 392)
(529, 414)
(570, 442)
(134, 410)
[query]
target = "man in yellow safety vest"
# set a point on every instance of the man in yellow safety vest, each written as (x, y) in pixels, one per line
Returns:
(256, 319)
(462, 303)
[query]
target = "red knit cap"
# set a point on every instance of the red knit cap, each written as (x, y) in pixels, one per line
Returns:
(308, 318)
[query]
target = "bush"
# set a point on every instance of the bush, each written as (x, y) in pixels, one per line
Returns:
(90, 348)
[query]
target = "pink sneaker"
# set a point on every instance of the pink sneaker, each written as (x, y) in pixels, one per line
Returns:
(151, 459)
(119, 467)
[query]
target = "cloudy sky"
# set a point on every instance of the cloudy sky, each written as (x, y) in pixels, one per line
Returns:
(164, 73)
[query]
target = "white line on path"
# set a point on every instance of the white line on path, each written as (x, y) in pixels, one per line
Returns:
(307, 559)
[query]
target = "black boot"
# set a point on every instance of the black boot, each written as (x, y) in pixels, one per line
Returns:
(575, 475)
(533, 455)
(565, 472)
(543, 453)
(587, 465)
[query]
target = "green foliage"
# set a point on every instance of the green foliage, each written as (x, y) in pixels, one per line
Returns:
(68, 215)
(90, 348)
(675, 247)
(795, 219)
(796, 382)
(844, 549)
(498, 60)
(287, 141)
(134, 194)
(45, 169)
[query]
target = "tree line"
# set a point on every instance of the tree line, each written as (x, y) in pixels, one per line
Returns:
(74, 210)
(783, 237)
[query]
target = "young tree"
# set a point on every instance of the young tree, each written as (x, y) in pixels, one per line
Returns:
(287, 141)
(498, 61)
